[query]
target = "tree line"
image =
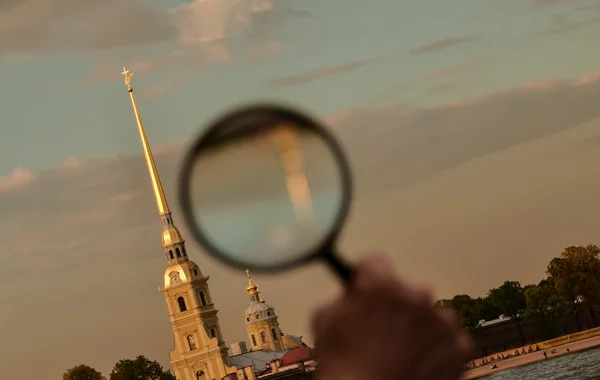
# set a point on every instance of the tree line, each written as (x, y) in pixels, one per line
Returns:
(139, 368)
(572, 284)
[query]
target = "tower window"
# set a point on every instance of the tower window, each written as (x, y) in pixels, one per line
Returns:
(192, 342)
(213, 333)
(202, 298)
(268, 313)
(200, 375)
(257, 316)
(263, 337)
(195, 271)
(247, 319)
(253, 340)
(181, 303)
(171, 254)
(178, 252)
(274, 333)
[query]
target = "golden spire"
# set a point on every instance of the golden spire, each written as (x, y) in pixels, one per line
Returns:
(161, 200)
(252, 287)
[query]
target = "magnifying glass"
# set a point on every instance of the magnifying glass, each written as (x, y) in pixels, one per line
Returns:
(267, 188)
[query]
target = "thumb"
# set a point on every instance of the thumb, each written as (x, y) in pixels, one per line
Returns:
(374, 273)
(322, 319)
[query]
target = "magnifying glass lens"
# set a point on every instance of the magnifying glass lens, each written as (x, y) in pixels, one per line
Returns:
(267, 198)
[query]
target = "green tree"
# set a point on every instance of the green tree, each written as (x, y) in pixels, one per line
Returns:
(510, 299)
(140, 368)
(576, 273)
(82, 372)
(544, 306)
(463, 305)
(487, 309)
(471, 311)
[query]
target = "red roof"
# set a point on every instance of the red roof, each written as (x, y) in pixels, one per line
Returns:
(295, 355)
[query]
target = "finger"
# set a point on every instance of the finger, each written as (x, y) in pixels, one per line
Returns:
(322, 317)
(373, 274)
(421, 297)
(450, 319)
(465, 346)
(445, 361)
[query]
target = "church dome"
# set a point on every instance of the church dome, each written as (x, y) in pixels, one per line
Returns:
(171, 236)
(258, 307)
(179, 273)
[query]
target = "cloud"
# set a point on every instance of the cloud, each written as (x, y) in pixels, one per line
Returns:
(319, 73)
(458, 69)
(264, 24)
(207, 32)
(441, 44)
(43, 26)
(18, 178)
(496, 178)
(469, 128)
(33, 26)
(206, 21)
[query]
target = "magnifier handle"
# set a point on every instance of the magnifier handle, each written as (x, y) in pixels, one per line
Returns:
(340, 267)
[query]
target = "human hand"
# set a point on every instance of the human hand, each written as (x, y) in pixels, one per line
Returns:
(384, 328)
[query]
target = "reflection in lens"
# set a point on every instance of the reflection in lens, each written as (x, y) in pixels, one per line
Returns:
(269, 199)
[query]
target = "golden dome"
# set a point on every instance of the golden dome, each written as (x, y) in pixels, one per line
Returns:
(252, 289)
(171, 236)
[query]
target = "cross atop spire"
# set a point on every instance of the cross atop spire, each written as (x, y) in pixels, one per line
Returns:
(250, 283)
(252, 287)
(127, 74)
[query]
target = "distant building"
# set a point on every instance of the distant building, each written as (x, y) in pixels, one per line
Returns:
(261, 322)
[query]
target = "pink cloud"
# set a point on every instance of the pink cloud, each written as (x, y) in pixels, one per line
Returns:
(40, 26)
(458, 69)
(18, 178)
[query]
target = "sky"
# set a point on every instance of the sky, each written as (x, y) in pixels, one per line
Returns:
(472, 128)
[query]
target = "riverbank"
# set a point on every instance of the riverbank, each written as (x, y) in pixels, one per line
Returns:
(533, 357)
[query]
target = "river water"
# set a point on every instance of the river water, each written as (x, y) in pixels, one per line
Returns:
(584, 365)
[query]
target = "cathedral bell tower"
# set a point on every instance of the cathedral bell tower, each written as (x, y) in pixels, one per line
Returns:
(261, 322)
(200, 352)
